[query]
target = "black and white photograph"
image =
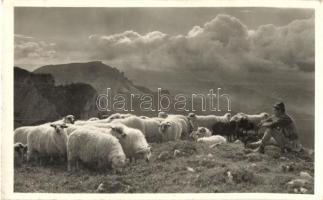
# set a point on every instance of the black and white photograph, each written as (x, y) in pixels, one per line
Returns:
(187, 99)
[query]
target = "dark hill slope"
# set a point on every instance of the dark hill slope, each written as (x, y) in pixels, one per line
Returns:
(38, 100)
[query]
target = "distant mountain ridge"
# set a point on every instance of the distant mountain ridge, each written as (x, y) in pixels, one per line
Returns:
(97, 74)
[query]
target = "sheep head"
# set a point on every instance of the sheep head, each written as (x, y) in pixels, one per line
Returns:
(201, 130)
(118, 130)
(194, 135)
(118, 161)
(164, 126)
(227, 116)
(192, 119)
(20, 148)
(264, 115)
(162, 115)
(114, 116)
(59, 128)
(237, 117)
(191, 116)
(69, 119)
(145, 153)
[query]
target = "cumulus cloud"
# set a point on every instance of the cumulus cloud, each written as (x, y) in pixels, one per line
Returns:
(126, 43)
(221, 44)
(28, 49)
(224, 43)
(291, 45)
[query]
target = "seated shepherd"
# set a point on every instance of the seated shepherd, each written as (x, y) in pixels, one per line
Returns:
(281, 127)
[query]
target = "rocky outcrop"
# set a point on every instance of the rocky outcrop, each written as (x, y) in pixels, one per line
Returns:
(38, 100)
(31, 106)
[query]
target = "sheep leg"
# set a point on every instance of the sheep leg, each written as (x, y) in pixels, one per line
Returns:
(33, 157)
(29, 156)
(69, 167)
(21, 159)
(100, 165)
(77, 165)
(51, 159)
(256, 131)
(63, 158)
(236, 133)
(71, 164)
(39, 159)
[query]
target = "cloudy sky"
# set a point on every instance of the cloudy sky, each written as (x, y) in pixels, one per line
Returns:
(228, 39)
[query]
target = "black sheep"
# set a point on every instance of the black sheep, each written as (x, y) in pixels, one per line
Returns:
(225, 129)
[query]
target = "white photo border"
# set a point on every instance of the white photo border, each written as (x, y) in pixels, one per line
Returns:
(7, 63)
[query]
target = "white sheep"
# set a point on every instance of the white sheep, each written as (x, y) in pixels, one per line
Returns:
(186, 126)
(100, 127)
(91, 145)
(21, 133)
(171, 129)
(143, 117)
(207, 121)
(71, 128)
(93, 119)
(46, 140)
(133, 142)
(162, 115)
(158, 119)
(201, 132)
(132, 122)
(84, 122)
(149, 126)
(152, 130)
(255, 119)
(212, 140)
(116, 116)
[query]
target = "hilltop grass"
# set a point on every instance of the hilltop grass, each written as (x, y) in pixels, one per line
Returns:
(197, 168)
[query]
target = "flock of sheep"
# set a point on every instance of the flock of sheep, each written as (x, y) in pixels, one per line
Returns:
(113, 141)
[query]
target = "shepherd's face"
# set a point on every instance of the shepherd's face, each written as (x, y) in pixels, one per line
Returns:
(276, 112)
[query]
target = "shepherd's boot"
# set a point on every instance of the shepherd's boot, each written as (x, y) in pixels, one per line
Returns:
(254, 144)
(260, 149)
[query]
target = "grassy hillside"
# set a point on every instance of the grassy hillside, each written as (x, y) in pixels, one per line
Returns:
(197, 168)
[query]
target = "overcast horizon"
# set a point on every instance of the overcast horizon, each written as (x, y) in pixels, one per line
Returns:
(167, 38)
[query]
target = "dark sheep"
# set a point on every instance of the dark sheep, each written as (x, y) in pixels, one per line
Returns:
(227, 129)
